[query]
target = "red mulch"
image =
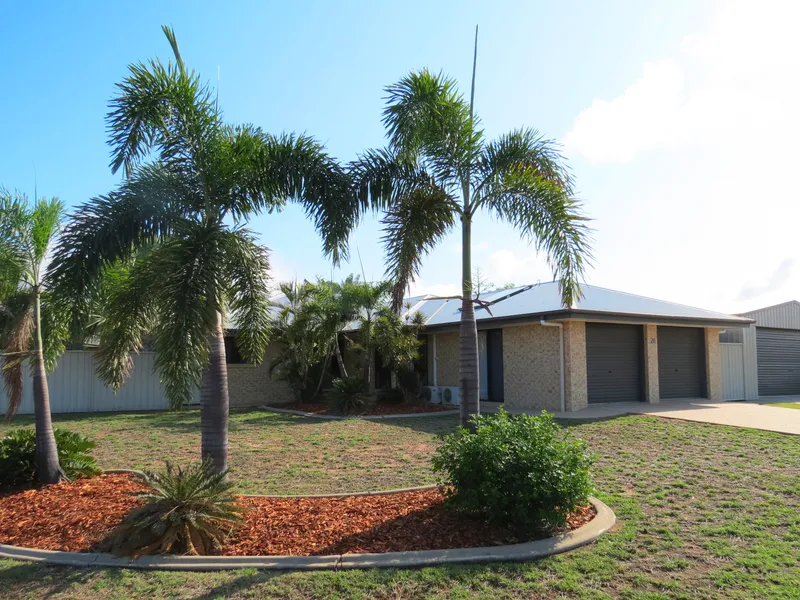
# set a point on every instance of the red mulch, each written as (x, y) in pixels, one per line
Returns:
(75, 515)
(320, 408)
(69, 516)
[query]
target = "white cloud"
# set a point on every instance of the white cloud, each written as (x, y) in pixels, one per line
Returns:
(700, 206)
(504, 266)
(730, 83)
(643, 117)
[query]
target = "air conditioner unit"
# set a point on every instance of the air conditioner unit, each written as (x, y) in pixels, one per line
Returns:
(432, 394)
(450, 395)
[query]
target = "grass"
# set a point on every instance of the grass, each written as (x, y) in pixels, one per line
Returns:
(705, 511)
(786, 405)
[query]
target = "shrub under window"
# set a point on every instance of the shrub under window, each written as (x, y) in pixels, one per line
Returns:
(521, 471)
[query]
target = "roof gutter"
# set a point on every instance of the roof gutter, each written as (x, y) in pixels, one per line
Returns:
(560, 353)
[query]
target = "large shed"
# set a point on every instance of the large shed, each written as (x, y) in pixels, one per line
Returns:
(763, 360)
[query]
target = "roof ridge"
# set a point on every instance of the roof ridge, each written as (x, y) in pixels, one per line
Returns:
(770, 306)
(598, 287)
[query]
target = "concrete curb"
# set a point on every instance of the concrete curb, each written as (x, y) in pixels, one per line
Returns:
(603, 521)
(299, 413)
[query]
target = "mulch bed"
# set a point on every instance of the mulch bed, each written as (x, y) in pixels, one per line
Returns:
(76, 515)
(321, 408)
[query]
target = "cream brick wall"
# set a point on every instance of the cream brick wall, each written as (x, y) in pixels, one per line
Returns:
(713, 365)
(251, 385)
(447, 359)
(531, 367)
(651, 391)
(576, 394)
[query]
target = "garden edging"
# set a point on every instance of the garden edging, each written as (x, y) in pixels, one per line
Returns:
(300, 413)
(603, 521)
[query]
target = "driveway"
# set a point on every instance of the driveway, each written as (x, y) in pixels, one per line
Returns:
(754, 415)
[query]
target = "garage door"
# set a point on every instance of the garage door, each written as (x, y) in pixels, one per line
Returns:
(614, 364)
(778, 352)
(681, 362)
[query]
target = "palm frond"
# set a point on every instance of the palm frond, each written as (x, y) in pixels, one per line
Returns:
(412, 228)
(17, 336)
(522, 149)
(15, 253)
(546, 215)
(428, 120)
(247, 275)
(55, 330)
(149, 206)
(161, 109)
(189, 300)
(297, 168)
(45, 222)
(129, 310)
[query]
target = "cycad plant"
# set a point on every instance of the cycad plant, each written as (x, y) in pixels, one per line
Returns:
(439, 170)
(188, 511)
(175, 225)
(30, 327)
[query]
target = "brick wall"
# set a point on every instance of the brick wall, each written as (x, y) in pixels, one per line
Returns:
(447, 359)
(251, 385)
(651, 390)
(576, 394)
(531, 367)
(713, 365)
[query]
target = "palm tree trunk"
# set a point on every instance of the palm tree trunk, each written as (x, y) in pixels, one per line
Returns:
(214, 403)
(322, 376)
(468, 373)
(48, 469)
(339, 359)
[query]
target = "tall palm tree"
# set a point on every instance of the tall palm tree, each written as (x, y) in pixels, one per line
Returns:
(29, 325)
(439, 170)
(191, 179)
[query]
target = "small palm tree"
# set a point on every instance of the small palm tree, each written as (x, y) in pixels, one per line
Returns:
(439, 170)
(29, 324)
(368, 300)
(175, 225)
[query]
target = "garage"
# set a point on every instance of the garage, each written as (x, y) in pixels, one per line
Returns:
(681, 362)
(614, 362)
(778, 360)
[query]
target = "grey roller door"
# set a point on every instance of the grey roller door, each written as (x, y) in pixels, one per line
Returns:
(681, 362)
(778, 352)
(614, 364)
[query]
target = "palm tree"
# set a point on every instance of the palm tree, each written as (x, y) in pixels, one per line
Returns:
(29, 324)
(175, 224)
(368, 299)
(438, 170)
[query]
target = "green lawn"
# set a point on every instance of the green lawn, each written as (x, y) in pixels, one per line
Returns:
(786, 405)
(706, 511)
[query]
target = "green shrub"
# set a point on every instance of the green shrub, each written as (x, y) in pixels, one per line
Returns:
(410, 384)
(189, 511)
(520, 471)
(347, 396)
(18, 457)
(392, 395)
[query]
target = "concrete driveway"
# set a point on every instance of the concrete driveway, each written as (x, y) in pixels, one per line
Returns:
(754, 414)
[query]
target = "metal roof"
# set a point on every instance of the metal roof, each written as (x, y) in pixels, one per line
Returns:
(533, 302)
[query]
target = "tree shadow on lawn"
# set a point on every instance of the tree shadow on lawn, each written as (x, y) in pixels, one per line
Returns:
(48, 581)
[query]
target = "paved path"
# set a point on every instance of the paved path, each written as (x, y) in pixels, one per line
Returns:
(755, 415)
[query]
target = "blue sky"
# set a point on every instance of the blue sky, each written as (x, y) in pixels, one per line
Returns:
(651, 99)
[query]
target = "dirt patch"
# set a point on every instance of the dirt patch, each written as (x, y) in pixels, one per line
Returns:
(74, 516)
(319, 408)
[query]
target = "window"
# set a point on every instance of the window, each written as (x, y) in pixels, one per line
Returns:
(731, 336)
(232, 356)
